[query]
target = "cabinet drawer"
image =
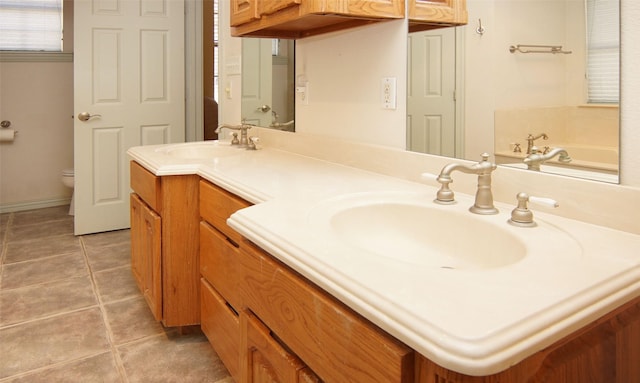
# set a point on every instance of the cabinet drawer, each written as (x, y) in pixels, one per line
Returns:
(219, 263)
(216, 205)
(146, 185)
(221, 324)
(335, 342)
(263, 356)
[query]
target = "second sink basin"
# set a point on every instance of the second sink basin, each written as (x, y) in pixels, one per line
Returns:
(200, 150)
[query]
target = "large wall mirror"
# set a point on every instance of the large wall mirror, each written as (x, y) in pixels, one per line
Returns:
(268, 83)
(480, 88)
(544, 73)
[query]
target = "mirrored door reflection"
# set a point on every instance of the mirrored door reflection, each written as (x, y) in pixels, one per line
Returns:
(268, 74)
(564, 86)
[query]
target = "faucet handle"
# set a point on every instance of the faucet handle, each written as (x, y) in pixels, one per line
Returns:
(548, 202)
(254, 143)
(522, 216)
(426, 176)
(517, 148)
(445, 196)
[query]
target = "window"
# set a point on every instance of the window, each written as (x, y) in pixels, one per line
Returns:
(603, 51)
(31, 25)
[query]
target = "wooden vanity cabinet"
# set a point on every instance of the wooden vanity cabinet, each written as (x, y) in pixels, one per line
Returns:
(301, 18)
(336, 343)
(164, 244)
(606, 350)
(431, 14)
(220, 297)
(269, 324)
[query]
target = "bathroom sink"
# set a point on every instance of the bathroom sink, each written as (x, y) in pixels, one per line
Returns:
(200, 150)
(426, 236)
(410, 228)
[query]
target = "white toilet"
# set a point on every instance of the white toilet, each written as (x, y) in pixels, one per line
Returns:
(68, 181)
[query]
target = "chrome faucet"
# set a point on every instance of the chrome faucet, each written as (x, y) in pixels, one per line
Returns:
(484, 198)
(535, 159)
(531, 138)
(244, 142)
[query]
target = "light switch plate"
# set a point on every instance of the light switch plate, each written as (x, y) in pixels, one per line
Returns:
(388, 92)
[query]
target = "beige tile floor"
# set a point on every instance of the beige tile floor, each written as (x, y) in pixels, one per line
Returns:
(71, 312)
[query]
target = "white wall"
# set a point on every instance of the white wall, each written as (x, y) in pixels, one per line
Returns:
(344, 71)
(37, 97)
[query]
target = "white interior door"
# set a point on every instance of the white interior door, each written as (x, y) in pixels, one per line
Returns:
(257, 75)
(129, 77)
(431, 104)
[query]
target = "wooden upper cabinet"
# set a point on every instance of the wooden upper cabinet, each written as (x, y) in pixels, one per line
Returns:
(431, 14)
(243, 11)
(294, 19)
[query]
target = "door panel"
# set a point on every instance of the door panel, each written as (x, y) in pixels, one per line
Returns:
(107, 166)
(129, 76)
(257, 76)
(431, 105)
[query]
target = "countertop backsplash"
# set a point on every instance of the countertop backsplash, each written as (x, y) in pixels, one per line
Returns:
(604, 204)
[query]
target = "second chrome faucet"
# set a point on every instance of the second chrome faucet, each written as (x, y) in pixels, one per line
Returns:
(244, 142)
(484, 197)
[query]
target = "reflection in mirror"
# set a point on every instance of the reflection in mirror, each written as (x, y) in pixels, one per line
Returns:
(570, 98)
(268, 83)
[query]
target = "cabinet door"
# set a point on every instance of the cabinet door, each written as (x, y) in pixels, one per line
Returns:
(146, 253)
(137, 259)
(263, 359)
(438, 11)
(243, 11)
(271, 6)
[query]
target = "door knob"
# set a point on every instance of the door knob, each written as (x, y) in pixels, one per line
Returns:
(264, 108)
(86, 116)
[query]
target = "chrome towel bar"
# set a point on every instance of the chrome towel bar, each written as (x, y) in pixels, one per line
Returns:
(525, 48)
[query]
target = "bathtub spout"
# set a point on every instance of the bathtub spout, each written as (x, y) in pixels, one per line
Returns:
(535, 159)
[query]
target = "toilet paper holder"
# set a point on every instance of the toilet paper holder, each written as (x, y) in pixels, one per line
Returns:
(6, 124)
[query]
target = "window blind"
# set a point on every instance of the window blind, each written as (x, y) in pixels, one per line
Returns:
(603, 51)
(31, 25)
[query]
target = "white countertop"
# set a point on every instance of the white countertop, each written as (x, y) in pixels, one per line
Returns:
(476, 322)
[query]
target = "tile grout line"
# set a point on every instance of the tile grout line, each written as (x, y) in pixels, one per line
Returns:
(50, 316)
(114, 349)
(50, 366)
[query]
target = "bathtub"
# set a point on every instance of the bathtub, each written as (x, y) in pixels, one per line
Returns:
(603, 159)
(570, 172)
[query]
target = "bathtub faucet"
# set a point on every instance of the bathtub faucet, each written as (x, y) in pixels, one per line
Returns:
(535, 159)
(484, 198)
(531, 139)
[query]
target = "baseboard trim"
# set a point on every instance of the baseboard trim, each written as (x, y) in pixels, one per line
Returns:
(31, 205)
